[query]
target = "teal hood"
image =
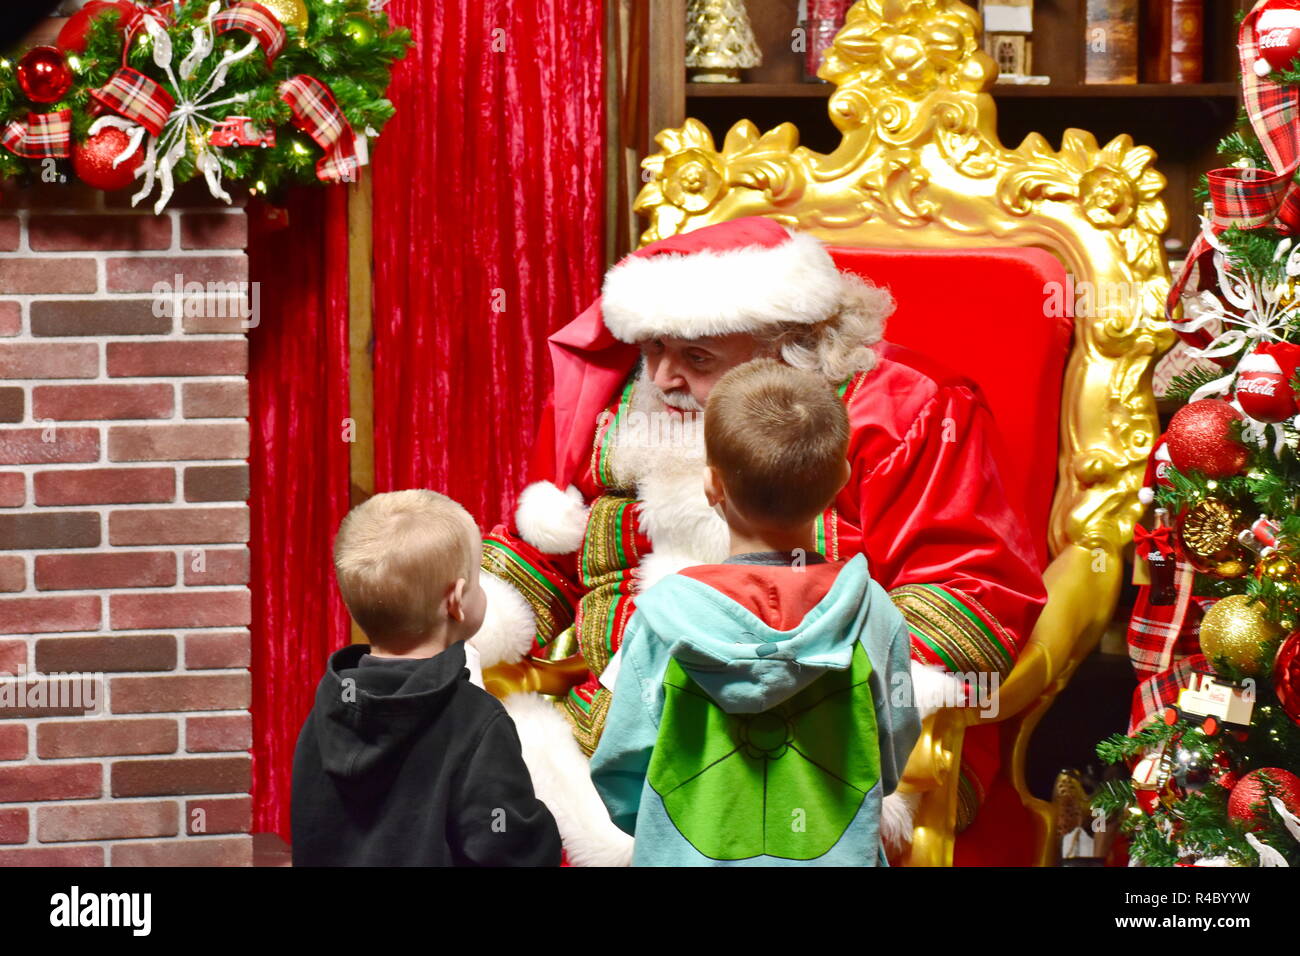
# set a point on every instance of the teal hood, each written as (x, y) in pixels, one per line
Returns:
(755, 667)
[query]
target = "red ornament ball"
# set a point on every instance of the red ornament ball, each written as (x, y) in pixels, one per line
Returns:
(1198, 437)
(92, 160)
(1248, 802)
(1286, 676)
(44, 74)
(1264, 382)
(72, 37)
(1277, 35)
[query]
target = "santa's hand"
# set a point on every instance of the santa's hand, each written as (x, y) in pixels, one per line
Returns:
(508, 626)
(551, 520)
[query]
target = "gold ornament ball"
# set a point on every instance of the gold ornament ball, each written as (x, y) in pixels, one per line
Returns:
(1237, 633)
(1276, 566)
(292, 13)
(1229, 569)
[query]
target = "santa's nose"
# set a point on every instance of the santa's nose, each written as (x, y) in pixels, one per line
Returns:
(668, 378)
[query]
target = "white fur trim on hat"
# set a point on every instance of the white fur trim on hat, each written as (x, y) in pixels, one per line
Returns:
(562, 781)
(551, 520)
(508, 626)
(710, 293)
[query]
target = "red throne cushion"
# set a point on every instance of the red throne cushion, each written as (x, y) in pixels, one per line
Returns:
(983, 313)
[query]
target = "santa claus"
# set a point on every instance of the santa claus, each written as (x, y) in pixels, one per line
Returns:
(618, 501)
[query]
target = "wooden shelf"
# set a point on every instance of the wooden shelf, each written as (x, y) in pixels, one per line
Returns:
(1050, 91)
(1183, 123)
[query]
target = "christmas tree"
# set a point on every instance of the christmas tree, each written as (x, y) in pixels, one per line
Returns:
(719, 40)
(1214, 746)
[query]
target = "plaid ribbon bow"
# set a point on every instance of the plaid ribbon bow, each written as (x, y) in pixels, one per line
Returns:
(1250, 198)
(317, 113)
(44, 134)
(130, 93)
(1161, 539)
(255, 20)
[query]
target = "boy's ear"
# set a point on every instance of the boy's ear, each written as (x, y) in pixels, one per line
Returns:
(713, 489)
(846, 471)
(456, 600)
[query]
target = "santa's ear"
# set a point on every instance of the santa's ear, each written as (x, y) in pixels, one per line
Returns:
(713, 489)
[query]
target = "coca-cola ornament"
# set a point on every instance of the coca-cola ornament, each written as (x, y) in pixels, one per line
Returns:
(1264, 382)
(1199, 436)
(1277, 35)
(1157, 465)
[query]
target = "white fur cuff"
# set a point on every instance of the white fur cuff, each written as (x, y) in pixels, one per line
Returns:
(934, 687)
(897, 820)
(551, 520)
(508, 626)
(562, 780)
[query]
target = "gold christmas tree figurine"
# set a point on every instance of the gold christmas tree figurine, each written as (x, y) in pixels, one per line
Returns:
(719, 41)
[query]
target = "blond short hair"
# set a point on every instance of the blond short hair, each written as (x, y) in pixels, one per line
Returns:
(778, 437)
(396, 555)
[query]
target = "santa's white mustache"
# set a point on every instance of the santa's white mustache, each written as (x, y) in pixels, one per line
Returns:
(683, 401)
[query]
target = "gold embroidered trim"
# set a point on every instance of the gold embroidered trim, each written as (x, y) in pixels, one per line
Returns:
(587, 727)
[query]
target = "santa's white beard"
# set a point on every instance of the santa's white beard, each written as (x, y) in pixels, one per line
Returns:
(659, 455)
(651, 441)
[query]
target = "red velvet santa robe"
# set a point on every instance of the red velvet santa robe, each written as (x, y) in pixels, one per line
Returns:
(924, 502)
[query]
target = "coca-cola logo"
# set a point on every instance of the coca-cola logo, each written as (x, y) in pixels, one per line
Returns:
(1277, 36)
(1262, 385)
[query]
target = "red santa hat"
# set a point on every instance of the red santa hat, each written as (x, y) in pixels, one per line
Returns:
(736, 276)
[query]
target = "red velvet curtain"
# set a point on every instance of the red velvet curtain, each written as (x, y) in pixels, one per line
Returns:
(489, 208)
(298, 371)
(488, 213)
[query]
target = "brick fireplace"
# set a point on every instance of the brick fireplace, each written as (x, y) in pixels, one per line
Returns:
(123, 530)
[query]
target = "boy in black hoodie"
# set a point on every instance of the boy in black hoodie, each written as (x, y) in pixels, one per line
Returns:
(402, 761)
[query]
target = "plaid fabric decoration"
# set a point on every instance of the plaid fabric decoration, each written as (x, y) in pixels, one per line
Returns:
(1156, 693)
(130, 93)
(1154, 629)
(255, 20)
(164, 13)
(317, 113)
(1251, 198)
(43, 135)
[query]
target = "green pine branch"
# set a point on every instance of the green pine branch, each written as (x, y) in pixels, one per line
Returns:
(357, 73)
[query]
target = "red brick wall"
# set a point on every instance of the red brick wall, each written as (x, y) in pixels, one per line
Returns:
(123, 532)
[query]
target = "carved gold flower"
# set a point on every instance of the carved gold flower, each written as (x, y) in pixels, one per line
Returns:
(1118, 184)
(909, 45)
(692, 179)
(689, 175)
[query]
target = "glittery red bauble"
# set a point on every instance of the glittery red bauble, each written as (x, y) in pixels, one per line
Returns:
(92, 160)
(1249, 798)
(72, 37)
(1277, 33)
(44, 74)
(1198, 437)
(1286, 676)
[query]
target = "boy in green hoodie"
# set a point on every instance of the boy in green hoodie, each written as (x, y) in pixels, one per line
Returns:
(763, 706)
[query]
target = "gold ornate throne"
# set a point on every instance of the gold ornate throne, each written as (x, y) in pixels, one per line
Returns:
(920, 167)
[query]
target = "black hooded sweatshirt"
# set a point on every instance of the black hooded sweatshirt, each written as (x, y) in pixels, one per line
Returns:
(406, 763)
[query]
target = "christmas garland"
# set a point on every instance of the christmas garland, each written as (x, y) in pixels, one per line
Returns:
(1214, 751)
(264, 94)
